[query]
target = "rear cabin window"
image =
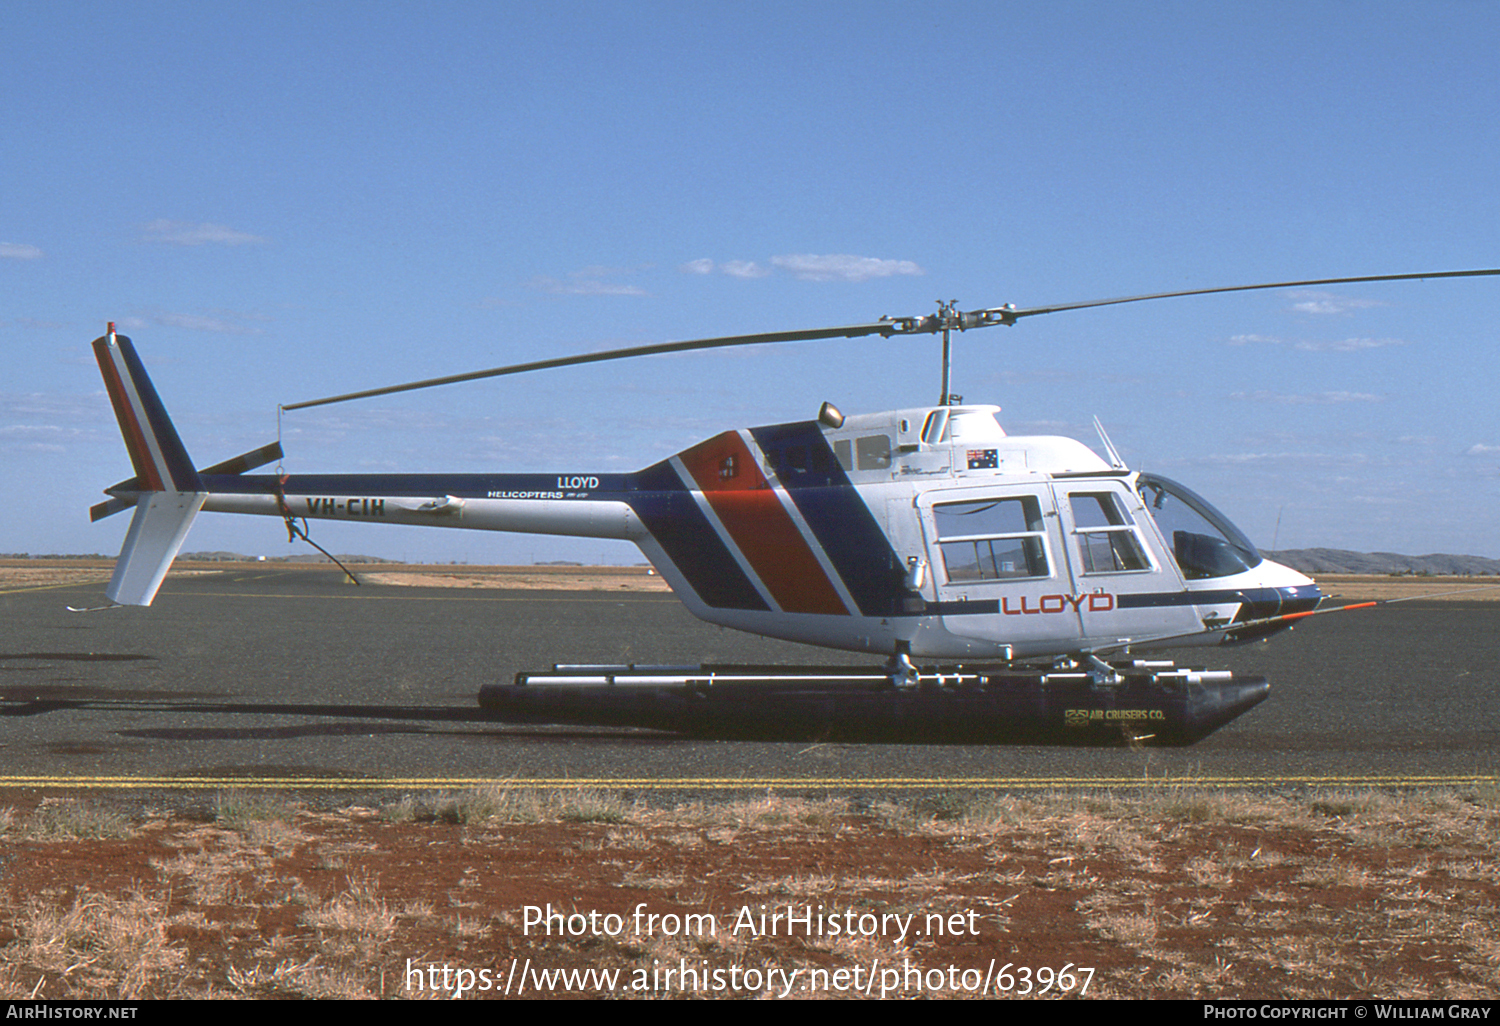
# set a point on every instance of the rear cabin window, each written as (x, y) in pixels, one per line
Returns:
(992, 539)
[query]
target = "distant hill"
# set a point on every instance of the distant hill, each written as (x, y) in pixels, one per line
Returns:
(1342, 561)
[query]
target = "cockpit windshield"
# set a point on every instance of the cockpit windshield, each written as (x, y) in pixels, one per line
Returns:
(1204, 542)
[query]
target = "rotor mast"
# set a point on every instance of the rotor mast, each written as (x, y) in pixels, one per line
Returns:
(947, 314)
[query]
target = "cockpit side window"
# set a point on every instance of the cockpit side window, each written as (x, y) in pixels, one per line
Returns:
(992, 539)
(1107, 540)
(1204, 542)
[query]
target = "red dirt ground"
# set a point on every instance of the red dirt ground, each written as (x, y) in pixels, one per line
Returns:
(1175, 895)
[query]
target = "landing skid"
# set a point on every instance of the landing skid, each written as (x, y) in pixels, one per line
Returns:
(1135, 702)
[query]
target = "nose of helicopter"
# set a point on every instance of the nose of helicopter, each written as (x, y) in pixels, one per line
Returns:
(1295, 590)
(1278, 591)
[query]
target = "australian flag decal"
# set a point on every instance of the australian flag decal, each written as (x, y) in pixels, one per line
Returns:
(984, 459)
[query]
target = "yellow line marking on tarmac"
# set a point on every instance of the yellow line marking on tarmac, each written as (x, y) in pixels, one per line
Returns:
(740, 783)
(53, 587)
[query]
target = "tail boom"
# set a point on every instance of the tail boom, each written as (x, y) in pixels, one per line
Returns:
(487, 502)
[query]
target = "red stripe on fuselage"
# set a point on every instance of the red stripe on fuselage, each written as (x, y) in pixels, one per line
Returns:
(743, 500)
(130, 427)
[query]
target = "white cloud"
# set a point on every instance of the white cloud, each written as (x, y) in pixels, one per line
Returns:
(606, 271)
(744, 269)
(18, 251)
(1346, 345)
(842, 267)
(40, 422)
(1244, 458)
(733, 268)
(807, 266)
(1349, 345)
(1315, 399)
(583, 287)
(201, 322)
(1328, 303)
(48, 438)
(183, 233)
(1480, 449)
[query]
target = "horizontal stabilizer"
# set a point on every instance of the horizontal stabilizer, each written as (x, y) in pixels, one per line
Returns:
(247, 461)
(157, 531)
(123, 494)
(108, 508)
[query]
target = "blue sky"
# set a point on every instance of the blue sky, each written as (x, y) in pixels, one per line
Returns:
(283, 201)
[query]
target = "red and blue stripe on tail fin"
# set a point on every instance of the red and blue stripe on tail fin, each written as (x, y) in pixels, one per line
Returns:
(160, 459)
(169, 491)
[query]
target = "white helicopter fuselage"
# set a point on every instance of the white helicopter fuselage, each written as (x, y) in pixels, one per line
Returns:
(926, 531)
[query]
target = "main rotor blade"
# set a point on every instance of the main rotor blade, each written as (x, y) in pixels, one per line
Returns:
(850, 331)
(947, 319)
(1009, 315)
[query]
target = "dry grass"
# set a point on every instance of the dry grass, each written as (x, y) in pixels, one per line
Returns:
(539, 578)
(500, 803)
(21, 574)
(1171, 893)
(104, 946)
(57, 819)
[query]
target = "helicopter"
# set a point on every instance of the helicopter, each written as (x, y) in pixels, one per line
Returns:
(1009, 582)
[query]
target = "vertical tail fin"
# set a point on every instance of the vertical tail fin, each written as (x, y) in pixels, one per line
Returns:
(169, 491)
(161, 462)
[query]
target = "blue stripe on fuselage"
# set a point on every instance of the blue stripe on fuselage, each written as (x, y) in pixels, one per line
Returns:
(837, 515)
(672, 515)
(1256, 603)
